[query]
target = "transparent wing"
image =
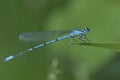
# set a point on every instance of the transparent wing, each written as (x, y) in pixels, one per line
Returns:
(39, 36)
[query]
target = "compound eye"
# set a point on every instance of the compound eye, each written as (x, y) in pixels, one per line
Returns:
(87, 29)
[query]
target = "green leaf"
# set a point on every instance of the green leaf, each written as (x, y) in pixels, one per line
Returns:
(109, 45)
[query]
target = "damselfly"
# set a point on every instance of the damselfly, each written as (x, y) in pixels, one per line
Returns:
(36, 36)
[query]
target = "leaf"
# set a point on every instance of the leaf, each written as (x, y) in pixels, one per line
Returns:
(109, 45)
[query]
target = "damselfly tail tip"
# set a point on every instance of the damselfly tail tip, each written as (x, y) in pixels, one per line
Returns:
(8, 58)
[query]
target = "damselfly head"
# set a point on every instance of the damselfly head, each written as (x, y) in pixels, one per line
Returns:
(86, 29)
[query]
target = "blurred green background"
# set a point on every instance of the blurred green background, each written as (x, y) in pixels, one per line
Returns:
(60, 61)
